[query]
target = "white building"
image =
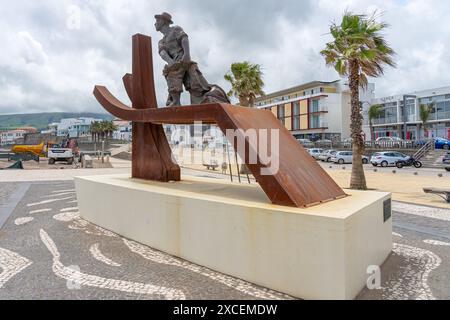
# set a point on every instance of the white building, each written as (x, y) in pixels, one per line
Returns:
(75, 128)
(315, 110)
(397, 121)
(124, 130)
(10, 136)
(52, 128)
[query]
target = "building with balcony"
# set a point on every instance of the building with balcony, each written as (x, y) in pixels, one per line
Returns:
(10, 136)
(315, 110)
(404, 122)
(75, 128)
(124, 130)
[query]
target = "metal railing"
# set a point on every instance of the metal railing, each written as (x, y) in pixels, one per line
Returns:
(410, 145)
(424, 150)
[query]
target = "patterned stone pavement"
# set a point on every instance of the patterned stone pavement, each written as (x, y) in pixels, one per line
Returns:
(48, 252)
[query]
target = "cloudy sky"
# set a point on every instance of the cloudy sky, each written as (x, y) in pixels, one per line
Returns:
(50, 60)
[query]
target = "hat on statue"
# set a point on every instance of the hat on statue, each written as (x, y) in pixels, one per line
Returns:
(165, 16)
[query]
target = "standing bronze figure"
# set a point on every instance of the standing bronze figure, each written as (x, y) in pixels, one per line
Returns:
(180, 69)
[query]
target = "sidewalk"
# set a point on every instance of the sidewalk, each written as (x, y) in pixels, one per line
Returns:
(404, 187)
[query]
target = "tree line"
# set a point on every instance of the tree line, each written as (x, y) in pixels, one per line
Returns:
(102, 130)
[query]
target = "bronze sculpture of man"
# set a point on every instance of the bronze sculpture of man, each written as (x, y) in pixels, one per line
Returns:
(180, 69)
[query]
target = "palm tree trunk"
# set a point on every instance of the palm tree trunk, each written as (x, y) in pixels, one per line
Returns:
(243, 101)
(358, 179)
(372, 135)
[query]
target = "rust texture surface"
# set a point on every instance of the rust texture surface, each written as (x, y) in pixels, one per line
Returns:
(299, 181)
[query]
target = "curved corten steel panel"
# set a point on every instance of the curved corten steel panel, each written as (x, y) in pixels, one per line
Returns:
(300, 180)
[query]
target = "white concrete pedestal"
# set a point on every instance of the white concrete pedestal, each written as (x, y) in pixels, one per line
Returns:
(321, 252)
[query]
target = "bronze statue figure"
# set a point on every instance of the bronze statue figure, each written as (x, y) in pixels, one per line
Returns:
(180, 69)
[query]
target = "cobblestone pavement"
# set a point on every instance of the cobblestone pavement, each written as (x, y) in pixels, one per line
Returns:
(48, 252)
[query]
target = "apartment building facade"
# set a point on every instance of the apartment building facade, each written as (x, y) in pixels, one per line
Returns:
(75, 128)
(396, 120)
(124, 130)
(8, 137)
(315, 110)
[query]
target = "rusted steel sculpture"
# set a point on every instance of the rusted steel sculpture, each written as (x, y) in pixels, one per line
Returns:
(299, 182)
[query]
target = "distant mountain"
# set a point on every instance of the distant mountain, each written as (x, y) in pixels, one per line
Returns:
(41, 120)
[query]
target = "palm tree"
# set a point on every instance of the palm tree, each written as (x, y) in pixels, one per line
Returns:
(425, 111)
(358, 51)
(103, 129)
(246, 82)
(95, 130)
(374, 112)
(111, 127)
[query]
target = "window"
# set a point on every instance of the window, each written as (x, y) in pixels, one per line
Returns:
(281, 113)
(441, 111)
(315, 106)
(296, 115)
(388, 114)
(314, 121)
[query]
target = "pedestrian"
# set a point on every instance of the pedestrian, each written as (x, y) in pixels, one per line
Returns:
(224, 167)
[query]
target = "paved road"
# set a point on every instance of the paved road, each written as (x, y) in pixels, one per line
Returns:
(48, 252)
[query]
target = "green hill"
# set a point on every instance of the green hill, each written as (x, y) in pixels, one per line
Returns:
(41, 120)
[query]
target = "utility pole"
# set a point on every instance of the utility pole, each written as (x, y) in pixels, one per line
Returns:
(103, 151)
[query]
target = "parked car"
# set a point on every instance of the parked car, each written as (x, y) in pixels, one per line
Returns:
(391, 142)
(327, 155)
(342, 157)
(446, 161)
(315, 152)
(441, 143)
(306, 143)
(388, 159)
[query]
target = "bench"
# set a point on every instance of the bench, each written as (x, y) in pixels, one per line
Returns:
(443, 193)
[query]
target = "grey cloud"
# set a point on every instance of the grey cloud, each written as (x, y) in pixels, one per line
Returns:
(245, 22)
(59, 70)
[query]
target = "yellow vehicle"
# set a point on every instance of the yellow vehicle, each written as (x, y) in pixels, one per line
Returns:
(38, 150)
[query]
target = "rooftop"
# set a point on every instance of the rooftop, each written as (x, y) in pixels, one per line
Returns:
(295, 89)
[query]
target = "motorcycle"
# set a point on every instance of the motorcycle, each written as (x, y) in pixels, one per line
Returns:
(409, 163)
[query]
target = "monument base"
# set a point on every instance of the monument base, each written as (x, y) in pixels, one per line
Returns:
(322, 252)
